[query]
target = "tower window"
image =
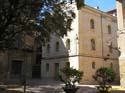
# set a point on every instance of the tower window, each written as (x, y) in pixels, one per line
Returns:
(47, 67)
(110, 48)
(68, 44)
(109, 29)
(93, 65)
(92, 24)
(48, 48)
(57, 46)
(111, 65)
(93, 44)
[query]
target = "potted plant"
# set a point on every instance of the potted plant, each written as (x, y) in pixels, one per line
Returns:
(69, 76)
(104, 76)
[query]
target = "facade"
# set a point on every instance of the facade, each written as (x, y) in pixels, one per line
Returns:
(121, 39)
(89, 46)
(21, 61)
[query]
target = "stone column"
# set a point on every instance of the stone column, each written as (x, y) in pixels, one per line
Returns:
(121, 39)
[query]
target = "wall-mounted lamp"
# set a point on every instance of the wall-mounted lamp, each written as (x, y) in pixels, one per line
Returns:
(109, 43)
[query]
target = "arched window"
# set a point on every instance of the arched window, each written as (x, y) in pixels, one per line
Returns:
(109, 29)
(68, 44)
(110, 48)
(93, 65)
(111, 65)
(48, 48)
(92, 24)
(57, 46)
(93, 44)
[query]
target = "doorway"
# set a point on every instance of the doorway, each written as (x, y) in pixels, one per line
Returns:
(36, 71)
(56, 71)
(16, 68)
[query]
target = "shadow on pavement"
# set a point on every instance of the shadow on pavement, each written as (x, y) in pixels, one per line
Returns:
(51, 88)
(117, 91)
(85, 89)
(10, 91)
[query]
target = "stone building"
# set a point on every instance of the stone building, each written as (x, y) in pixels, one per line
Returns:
(121, 39)
(90, 45)
(22, 60)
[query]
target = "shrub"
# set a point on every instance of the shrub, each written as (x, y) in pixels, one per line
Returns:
(104, 76)
(70, 76)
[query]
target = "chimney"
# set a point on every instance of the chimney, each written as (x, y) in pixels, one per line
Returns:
(97, 7)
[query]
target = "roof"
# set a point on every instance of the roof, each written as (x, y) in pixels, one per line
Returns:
(111, 11)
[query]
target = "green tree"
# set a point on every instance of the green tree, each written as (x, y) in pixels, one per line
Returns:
(69, 76)
(104, 76)
(20, 17)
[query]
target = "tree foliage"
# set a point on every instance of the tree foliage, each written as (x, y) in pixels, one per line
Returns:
(35, 17)
(70, 76)
(104, 76)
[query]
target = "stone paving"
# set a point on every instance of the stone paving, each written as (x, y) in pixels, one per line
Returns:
(50, 87)
(56, 89)
(46, 89)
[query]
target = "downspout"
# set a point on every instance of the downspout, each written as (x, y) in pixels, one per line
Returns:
(102, 38)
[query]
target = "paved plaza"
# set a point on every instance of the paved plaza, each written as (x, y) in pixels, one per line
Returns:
(48, 86)
(52, 89)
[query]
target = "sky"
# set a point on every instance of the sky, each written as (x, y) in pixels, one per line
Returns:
(104, 5)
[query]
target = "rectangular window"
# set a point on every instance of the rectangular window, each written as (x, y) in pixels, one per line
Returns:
(57, 47)
(38, 58)
(56, 69)
(47, 67)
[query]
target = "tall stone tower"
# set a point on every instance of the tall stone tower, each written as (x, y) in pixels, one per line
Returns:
(121, 40)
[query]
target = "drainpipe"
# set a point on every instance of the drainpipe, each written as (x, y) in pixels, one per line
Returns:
(102, 38)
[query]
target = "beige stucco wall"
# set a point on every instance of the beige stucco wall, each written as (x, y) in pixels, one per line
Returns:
(120, 15)
(102, 37)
